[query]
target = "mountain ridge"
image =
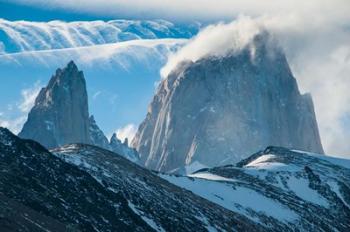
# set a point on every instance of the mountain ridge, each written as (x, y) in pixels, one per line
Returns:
(222, 108)
(60, 115)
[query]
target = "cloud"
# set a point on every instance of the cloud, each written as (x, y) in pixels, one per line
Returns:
(94, 97)
(127, 131)
(319, 56)
(15, 120)
(314, 34)
(14, 125)
(28, 97)
(215, 40)
(327, 77)
(194, 9)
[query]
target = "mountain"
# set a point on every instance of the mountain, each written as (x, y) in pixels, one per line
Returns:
(60, 115)
(119, 57)
(127, 69)
(20, 36)
(278, 187)
(50, 188)
(83, 187)
(86, 188)
(97, 137)
(118, 147)
(163, 205)
(219, 109)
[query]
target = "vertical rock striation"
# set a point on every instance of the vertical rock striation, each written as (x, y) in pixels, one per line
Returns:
(60, 114)
(219, 109)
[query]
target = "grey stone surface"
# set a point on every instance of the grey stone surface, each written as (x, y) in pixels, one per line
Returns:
(60, 114)
(97, 136)
(219, 110)
(118, 147)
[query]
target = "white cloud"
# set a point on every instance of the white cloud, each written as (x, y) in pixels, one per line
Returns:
(203, 9)
(327, 77)
(96, 94)
(15, 120)
(14, 125)
(113, 98)
(315, 35)
(215, 40)
(28, 97)
(127, 131)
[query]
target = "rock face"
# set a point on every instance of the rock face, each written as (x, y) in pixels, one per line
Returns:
(60, 114)
(219, 110)
(118, 147)
(97, 137)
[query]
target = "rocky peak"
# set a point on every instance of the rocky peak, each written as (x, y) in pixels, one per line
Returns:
(114, 139)
(60, 114)
(97, 136)
(126, 142)
(123, 149)
(6, 137)
(220, 109)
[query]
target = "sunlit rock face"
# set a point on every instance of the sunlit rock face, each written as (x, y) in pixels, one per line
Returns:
(60, 114)
(218, 110)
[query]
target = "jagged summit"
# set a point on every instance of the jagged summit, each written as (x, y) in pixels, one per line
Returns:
(60, 114)
(97, 136)
(119, 147)
(221, 108)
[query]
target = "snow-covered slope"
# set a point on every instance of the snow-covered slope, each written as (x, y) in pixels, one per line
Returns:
(88, 188)
(92, 189)
(19, 36)
(292, 189)
(163, 206)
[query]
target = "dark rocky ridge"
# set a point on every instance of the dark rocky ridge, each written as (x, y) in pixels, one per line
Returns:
(218, 110)
(122, 196)
(32, 176)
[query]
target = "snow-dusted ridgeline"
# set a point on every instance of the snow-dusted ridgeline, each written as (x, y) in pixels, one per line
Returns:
(297, 189)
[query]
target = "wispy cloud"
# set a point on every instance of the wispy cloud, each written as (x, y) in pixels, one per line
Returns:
(14, 124)
(28, 97)
(128, 131)
(96, 94)
(215, 40)
(204, 9)
(15, 120)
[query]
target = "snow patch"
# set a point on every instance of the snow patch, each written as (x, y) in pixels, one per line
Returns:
(237, 199)
(300, 187)
(149, 221)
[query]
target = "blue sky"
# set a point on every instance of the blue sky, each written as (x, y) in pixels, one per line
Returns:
(314, 34)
